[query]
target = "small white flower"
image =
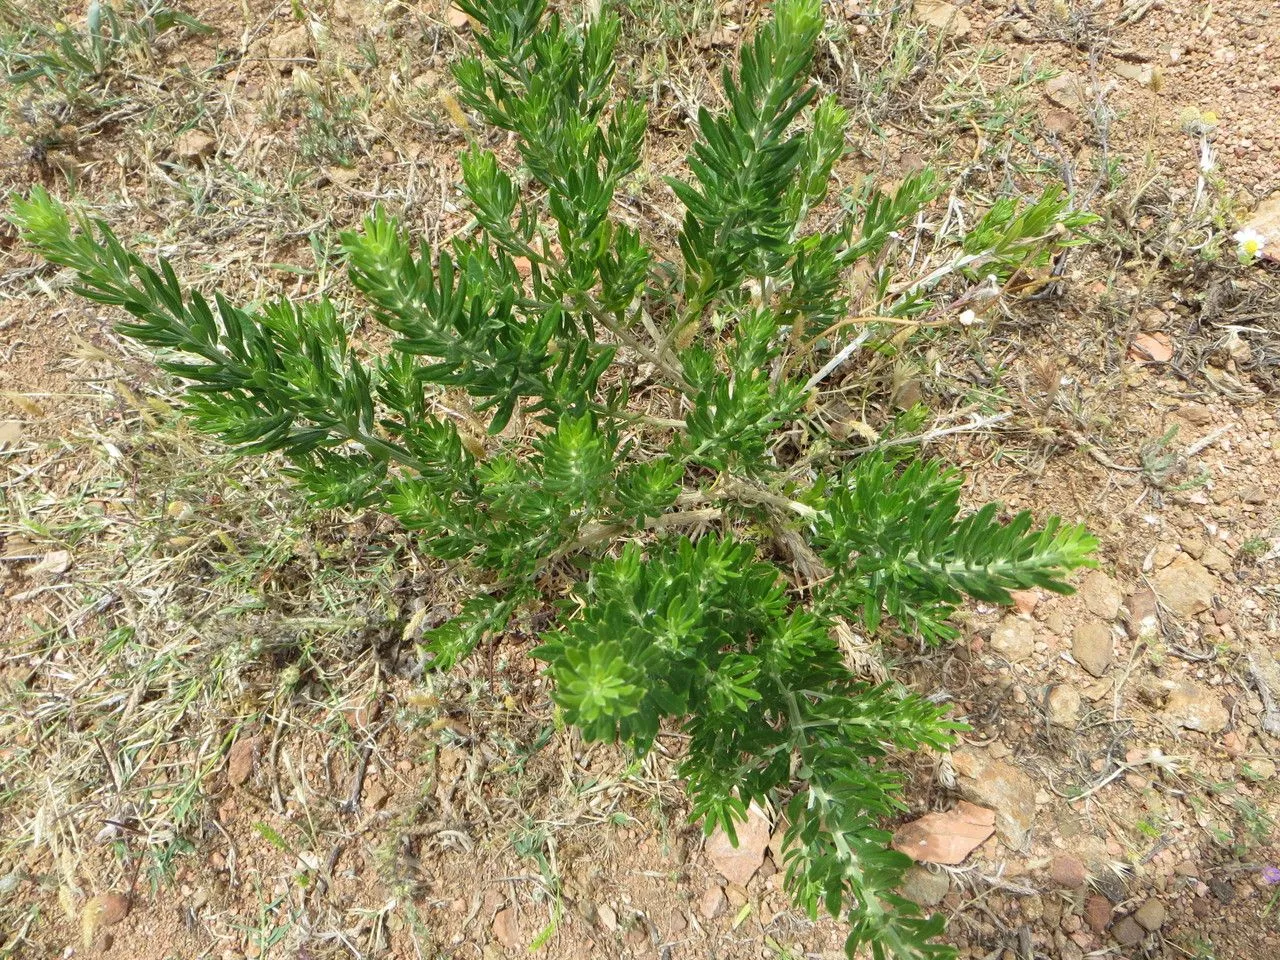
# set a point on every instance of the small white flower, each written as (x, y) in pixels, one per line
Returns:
(968, 318)
(1250, 243)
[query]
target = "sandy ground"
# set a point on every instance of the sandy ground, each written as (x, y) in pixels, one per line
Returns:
(1126, 737)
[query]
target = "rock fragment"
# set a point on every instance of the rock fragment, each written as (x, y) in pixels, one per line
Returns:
(1196, 707)
(925, 888)
(1097, 913)
(1128, 933)
(1092, 647)
(288, 47)
(1014, 638)
(1142, 620)
(712, 903)
(1001, 787)
(1265, 221)
(739, 864)
(946, 837)
(1100, 595)
(1063, 706)
(191, 145)
(943, 16)
(506, 928)
(1150, 916)
(458, 18)
(1185, 587)
(1069, 872)
(241, 759)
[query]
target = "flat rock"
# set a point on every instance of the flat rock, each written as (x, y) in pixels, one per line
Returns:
(1142, 620)
(1150, 915)
(925, 888)
(1092, 646)
(457, 17)
(506, 928)
(1196, 707)
(1128, 933)
(998, 786)
(1066, 90)
(946, 837)
(1025, 601)
(1063, 706)
(193, 144)
(1185, 587)
(712, 903)
(1217, 561)
(739, 864)
(1100, 595)
(52, 564)
(1164, 554)
(1143, 73)
(1151, 348)
(943, 16)
(1068, 872)
(241, 759)
(1097, 913)
(1196, 414)
(294, 44)
(1014, 638)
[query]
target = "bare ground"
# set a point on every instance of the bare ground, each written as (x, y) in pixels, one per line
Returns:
(212, 703)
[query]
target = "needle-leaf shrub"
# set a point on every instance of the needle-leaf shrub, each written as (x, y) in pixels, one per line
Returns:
(639, 472)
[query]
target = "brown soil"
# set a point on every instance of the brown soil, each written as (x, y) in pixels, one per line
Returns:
(474, 799)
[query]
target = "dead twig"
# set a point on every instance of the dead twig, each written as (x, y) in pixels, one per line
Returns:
(352, 803)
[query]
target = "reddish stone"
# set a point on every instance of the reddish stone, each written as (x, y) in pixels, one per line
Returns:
(946, 837)
(1097, 913)
(1068, 872)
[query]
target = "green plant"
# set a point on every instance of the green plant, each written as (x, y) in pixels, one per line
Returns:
(331, 121)
(534, 843)
(1271, 877)
(1253, 549)
(642, 416)
(70, 59)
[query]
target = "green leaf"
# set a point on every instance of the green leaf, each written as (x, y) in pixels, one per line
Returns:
(898, 542)
(745, 163)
